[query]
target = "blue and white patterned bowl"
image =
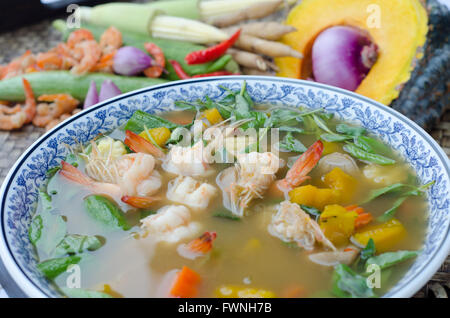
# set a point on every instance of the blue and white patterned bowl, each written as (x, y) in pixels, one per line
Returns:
(19, 191)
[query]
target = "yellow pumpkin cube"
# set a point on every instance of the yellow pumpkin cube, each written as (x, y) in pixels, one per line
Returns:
(337, 223)
(213, 116)
(339, 180)
(160, 135)
(330, 147)
(231, 291)
(312, 196)
(385, 235)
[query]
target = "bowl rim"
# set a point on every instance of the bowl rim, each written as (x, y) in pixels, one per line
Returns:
(16, 282)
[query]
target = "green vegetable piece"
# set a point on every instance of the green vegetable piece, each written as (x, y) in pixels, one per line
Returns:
(335, 137)
(292, 144)
(389, 214)
(54, 267)
(389, 259)
(350, 130)
(76, 244)
(321, 123)
(223, 213)
(363, 155)
(315, 213)
(57, 82)
(368, 251)
(379, 192)
(347, 283)
(139, 120)
(106, 212)
(84, 293)
(72, 159)
(35, 231)
(372, 145)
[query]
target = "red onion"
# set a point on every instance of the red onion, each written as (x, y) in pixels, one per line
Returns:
(91, 96)
(342, 56)
(129, 61)
(108, 90)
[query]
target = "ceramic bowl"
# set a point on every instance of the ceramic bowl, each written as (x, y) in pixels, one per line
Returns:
(18, 195)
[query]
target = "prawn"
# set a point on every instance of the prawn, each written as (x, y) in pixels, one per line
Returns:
(110, 42)
(59, 104)
(171, 223)
(292, 224)
(140, 144)
(191, 192)
(19, 65)
(88, 54)
(160, 61)
(15, 117)
(198, 247)
(304, 164)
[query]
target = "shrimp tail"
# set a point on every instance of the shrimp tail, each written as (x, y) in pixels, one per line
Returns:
(202, 244)
(304, 164)
(139, 144)
(73, 174)
(139, 202)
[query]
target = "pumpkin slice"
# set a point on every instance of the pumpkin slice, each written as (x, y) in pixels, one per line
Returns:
(401, 32)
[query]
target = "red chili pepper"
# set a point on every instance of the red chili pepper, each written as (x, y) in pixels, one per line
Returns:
(213, 52)
(219, 73)
(179, 70)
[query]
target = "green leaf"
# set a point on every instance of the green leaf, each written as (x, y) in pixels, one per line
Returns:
(292, 129)
(321, 123)
(224, 213)
(139, 119)
(35, 230)
(289, 143)
(54, 267)
(389, 259)
(372, 145)
(379, 192)
(350, 130)
(389, 214)
(72, 159)
(106, 212)
(315, 213)
(363, 155)
(347, 283)
(335, 137)
(368, 251)
(283, 117)
(84, 293)
(75, 244)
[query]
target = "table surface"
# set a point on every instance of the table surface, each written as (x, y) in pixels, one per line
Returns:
(41, 37)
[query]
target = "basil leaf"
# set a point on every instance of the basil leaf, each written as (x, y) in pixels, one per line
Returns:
(84, 293)
(346, 283)
(75, 244)
(389, 259)
(321, 123)
(283, 116)
(289, 143)
(106, 212)
(389, 214)
(350, 130)
(54, 267)
(372, 145)
(223, 213)
(291, 129)
(35, 230)
(335, 137)
(368, 251)
(360, 154)
(379, 192)
(242, 108)
(139, 120)
(315, 213)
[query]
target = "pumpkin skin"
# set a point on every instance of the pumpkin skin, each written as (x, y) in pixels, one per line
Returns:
(402, 31)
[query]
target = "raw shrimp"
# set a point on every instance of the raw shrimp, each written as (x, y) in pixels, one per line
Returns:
(299, 171)
(292, 224)
(249, 179)
(19, 65)
(171, 223)
(191, 192)
(60, 104)
(157, 68)
(16, 117)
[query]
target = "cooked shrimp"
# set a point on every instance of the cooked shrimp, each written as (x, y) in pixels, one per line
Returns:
(110, 40)
(60, 104)
(19, 65)
(16, 117)
(88, 54)
(79, 36)
(248, 180)
(159, 60)
(140, 144)
(197, 247)
(62, 118)
(186, 190)
(187, 161)
(304, 164)
(171, 223)
(292, 224)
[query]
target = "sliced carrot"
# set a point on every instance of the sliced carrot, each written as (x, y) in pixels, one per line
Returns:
(186, 283)
(363, 219)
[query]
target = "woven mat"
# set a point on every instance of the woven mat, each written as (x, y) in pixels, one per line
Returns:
(40, 37)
